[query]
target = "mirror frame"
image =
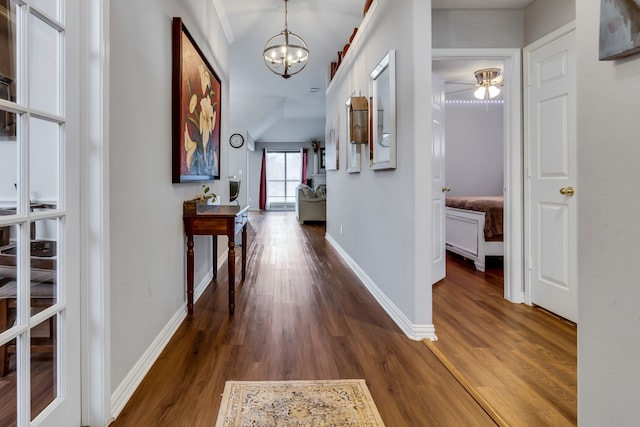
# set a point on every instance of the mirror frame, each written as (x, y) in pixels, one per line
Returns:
(383, 156)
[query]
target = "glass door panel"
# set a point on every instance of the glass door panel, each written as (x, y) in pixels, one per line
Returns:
(39, 333)
(44, 66)
(44, 169)
(44, 371)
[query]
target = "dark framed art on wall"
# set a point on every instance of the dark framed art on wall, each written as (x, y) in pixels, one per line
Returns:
(196, 110)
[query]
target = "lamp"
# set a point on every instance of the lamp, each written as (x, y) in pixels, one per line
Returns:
(286, 53)
(487, 83)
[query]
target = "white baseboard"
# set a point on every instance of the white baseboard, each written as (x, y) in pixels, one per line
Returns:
(130, 383)
(412, 331)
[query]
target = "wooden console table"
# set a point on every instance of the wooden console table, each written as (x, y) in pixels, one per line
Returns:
(220, 220)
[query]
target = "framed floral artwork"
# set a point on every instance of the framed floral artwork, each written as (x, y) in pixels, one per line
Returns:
(619, 28)
(196, 111)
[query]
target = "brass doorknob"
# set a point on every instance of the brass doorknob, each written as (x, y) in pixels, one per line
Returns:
(567, 191)
(446, 189)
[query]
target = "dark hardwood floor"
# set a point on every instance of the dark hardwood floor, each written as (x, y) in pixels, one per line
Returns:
(520, 361)
(301, 314)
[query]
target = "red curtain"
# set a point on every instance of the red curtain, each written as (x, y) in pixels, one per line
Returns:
(263, 182)
(304, 166)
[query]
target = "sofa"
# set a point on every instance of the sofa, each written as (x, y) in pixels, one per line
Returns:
(311, 205)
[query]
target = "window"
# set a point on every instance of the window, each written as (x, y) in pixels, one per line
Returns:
(284, 173)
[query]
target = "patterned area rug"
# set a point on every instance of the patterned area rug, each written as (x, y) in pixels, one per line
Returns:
(298, 403)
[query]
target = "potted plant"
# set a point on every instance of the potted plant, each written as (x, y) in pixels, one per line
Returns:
(205, 197)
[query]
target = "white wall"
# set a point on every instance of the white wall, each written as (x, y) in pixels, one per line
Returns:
(543, 16)
(238, 167)
(147, 238)
(608, 177)
(477, 28)
(376, 217)
(474, 149)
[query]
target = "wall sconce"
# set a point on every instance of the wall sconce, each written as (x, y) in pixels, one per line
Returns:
(359, 129)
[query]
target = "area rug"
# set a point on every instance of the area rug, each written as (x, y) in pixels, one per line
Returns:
(298, 403)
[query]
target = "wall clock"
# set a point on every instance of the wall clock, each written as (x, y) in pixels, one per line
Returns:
(236, 140)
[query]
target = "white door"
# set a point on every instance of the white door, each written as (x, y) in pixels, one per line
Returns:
(39, 213)
(551, 162)
(438, 180)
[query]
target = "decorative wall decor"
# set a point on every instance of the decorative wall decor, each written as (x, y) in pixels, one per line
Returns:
(353, 149)
(358, 127)
(196, 111)
(332, 143)
(619, 28)
(383, 113)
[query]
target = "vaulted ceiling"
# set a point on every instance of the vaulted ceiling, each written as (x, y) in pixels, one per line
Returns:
(272, 108)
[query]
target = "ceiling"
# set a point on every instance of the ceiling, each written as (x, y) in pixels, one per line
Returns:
(272, 108)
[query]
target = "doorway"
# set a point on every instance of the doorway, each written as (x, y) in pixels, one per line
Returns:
(512, 155)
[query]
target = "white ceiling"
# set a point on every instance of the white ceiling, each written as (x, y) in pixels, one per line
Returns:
(264, 103)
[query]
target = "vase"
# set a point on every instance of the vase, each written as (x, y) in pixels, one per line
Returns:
(367, 4)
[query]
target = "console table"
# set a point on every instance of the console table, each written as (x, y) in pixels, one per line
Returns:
(216, 220)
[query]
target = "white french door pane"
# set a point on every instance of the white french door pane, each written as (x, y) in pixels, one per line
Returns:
(291, 190)
(276, 189)
(44, 66)
(44, 163)
(9, 395)
(43, 360)
(8, 69)
(294, 166)
(275, 166)
(49, 7)
(43, 265)
(8, 163)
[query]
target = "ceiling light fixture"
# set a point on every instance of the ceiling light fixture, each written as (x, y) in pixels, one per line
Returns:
(286, 53)
(488, 81)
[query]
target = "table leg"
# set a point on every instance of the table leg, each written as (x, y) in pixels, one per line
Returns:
(215, 256)
(231, 262)
(190, 258)
(244, 250)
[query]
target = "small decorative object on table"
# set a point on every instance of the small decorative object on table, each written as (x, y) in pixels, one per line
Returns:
(206, 197)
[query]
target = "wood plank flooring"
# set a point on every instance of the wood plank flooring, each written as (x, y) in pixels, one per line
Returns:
(521, 360)
(301, 314)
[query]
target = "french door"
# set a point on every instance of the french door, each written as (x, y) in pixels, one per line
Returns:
(284, 173)
(39, 213)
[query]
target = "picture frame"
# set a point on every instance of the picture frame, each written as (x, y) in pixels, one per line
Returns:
(196, 108)
(619, 29)
(353, 149)
(382, 90)
(332, 142)
(322, 158)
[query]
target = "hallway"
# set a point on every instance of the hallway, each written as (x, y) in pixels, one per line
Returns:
(301, 314)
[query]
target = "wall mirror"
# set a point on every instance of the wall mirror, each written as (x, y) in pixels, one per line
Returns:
(382, 90)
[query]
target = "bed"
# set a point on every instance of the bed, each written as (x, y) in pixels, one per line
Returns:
(474, 227)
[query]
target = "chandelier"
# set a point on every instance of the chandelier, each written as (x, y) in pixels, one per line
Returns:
(488, 82)
(285, 53)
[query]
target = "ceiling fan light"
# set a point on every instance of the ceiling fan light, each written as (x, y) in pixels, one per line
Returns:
(480, 92)
(494, 91)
